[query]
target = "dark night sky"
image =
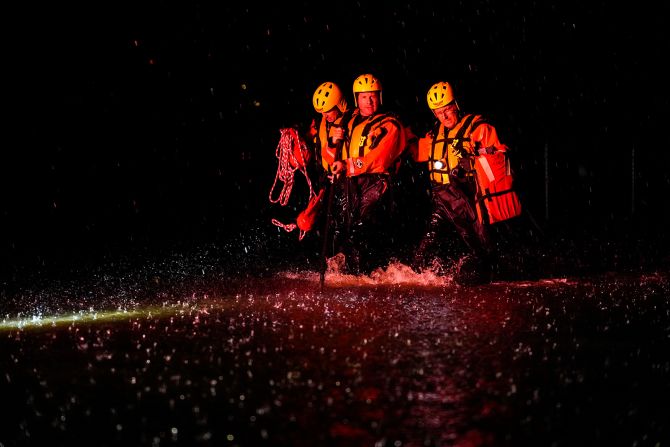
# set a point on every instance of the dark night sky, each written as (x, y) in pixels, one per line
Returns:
(157, 121)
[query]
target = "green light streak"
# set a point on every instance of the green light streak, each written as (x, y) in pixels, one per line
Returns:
(36, 322)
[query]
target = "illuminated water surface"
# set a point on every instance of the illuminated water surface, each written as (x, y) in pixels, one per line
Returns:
(393, 359)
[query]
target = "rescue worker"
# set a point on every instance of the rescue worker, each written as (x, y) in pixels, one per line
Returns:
(330, 102)
(374, 142)
(311, 151)
(450, 149)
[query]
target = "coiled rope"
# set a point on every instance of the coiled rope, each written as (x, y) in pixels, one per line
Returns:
(288, 164)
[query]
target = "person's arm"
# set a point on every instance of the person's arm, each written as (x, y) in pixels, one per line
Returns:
(485, 139)
(412, 143)
(388, 141)
(338, 136)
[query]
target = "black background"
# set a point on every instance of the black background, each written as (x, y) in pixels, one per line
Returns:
(155, 123)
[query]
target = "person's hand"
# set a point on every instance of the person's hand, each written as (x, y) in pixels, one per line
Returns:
(337, 170)
(313, 131)
(337, 133)
(464, 164)
(375, 136)
(487, 150)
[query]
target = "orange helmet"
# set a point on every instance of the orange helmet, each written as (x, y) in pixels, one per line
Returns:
(367, 83)
(440, 95)
(327, 96)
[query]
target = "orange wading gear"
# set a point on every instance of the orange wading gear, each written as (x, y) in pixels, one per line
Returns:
(375, 143)
(461, 148)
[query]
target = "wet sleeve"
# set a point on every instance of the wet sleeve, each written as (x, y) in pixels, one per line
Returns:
(327, 151)
(423, 148)
(412, 143)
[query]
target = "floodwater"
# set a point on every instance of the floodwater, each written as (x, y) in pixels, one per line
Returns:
(196, 357)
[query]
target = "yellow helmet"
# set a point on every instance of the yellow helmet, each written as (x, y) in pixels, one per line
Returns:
(366, 83)
(440, 95)
(327, 96)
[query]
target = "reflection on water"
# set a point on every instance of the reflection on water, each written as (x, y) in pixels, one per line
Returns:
(198, 357)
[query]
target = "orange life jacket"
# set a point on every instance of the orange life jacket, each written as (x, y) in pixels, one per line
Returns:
(495, 188)
(328, 152)
(448, 146)
(375, 143)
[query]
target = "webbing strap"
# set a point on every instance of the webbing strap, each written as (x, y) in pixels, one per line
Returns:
(368, 126)
(490, 194)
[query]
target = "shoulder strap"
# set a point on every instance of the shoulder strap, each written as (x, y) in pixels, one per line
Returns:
(372, 122)
(346, 116)
(466, 124)
(344, 121)
(436, 129)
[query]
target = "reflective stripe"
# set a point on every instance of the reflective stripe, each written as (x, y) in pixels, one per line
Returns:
(487, 168)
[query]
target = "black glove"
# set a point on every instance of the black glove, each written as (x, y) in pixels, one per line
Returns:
(462, 169)
(487, 150)
(464, 163)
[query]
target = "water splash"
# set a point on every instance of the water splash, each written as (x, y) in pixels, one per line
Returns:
(396, 273)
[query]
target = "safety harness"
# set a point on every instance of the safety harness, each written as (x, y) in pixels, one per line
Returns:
(358, 150)
(455, 144)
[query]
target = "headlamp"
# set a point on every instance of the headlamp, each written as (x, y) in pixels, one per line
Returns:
(439, 164)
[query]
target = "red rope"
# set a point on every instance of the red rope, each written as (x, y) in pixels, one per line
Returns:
(289, 227)
(288, 164)
(286, 168)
